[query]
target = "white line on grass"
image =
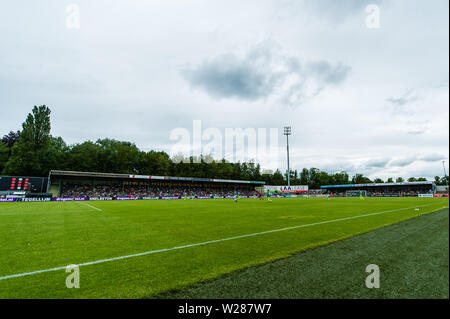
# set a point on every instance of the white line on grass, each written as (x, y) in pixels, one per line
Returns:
(204, 243)
(92, 207)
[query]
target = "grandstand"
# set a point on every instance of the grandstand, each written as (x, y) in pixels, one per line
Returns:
(103, 186)
(69, 185)
(406, 189)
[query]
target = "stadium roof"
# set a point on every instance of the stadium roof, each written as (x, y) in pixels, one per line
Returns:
(148, 177)
(378, 184)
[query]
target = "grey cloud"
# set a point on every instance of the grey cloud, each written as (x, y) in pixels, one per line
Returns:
(262, 73)
(328, 73)
(432, 157)
(399, 103)
(403, 100)
(229, 76)
(377, 163)
(402, 162)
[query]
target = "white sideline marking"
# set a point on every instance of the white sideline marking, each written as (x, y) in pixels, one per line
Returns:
(203, 243)
(92, 207)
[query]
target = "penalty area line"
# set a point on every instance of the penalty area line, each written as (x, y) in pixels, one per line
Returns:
(204, 243)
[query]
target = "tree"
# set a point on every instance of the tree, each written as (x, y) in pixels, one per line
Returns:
(341, 178)
(245, 175)
(236, 171)
(226, 169)
(84, 157)
(57, 155)
(441, 181)
(314, 178)
(28, 153)
(255, 171)
(11, 138)
(390, 180)
(421, 179)
(277, 178)
(323, 179)
(378, 181)
(361, 179)
(412, 179)
(4, 154)
(304, 177)
(117, 156)
(162, 164)
(399, 180)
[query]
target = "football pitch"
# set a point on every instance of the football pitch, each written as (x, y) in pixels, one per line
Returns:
(141, 249)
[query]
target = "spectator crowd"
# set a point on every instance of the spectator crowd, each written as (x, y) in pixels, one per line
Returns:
(118, 190)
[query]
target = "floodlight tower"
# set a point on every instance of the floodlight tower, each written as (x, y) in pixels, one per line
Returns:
(445, 174)
(443, 164)
(287, 132)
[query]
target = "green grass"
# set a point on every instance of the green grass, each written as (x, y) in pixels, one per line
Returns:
(412, 255)
(35, 236)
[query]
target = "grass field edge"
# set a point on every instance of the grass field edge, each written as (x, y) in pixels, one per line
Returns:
(167, 294)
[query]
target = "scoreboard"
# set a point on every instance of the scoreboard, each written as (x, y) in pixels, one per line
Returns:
(27, 184)
(19, 183)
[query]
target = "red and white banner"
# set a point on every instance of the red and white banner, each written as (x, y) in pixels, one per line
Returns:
(299, 189)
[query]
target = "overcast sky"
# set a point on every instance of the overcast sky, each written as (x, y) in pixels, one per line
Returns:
(360, 99)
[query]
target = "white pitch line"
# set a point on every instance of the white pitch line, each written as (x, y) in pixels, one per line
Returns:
(92, 207)
(204, 243)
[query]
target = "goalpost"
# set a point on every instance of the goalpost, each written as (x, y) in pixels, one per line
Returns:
(356, 193)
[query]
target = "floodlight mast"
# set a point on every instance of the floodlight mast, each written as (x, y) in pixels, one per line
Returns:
(445, 175)
(287, 132)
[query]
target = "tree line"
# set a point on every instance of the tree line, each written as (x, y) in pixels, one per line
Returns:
(33, 151)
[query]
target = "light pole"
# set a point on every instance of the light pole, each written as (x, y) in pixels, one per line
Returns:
(445, 173)
(287, 132)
